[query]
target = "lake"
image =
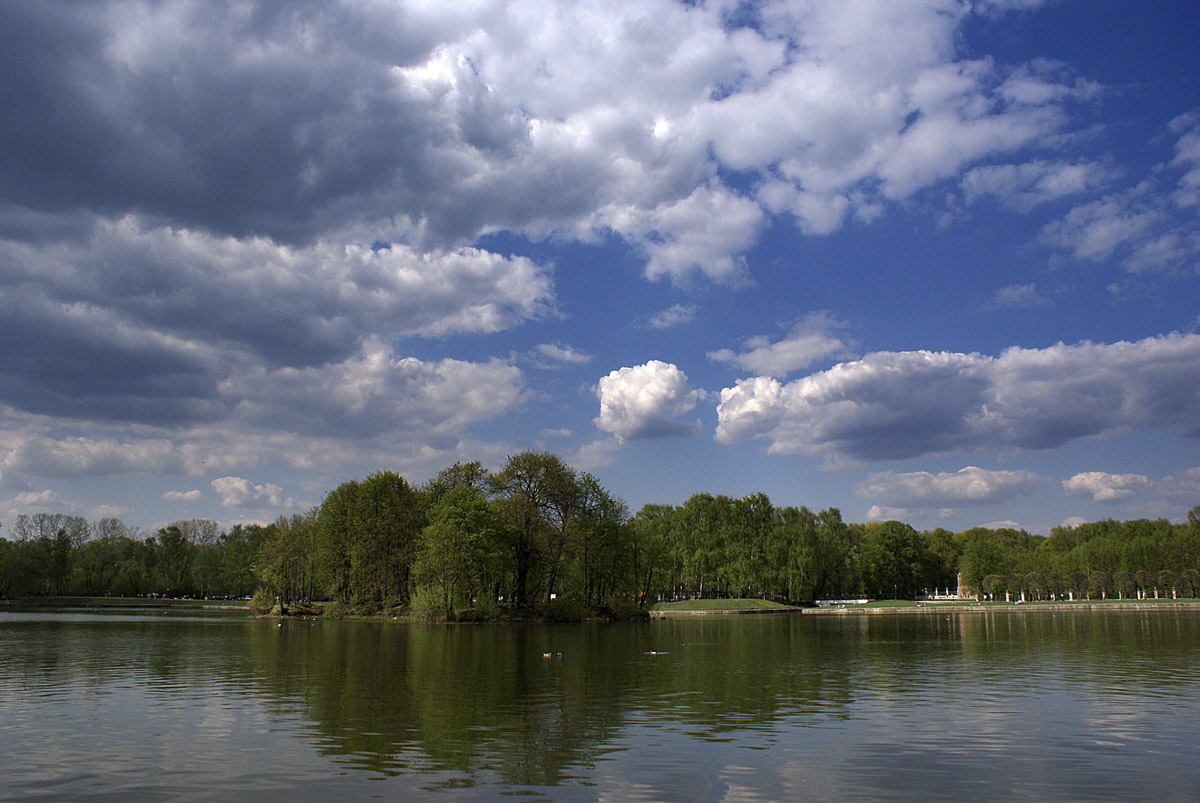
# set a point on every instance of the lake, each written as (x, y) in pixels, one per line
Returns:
(1003, 705)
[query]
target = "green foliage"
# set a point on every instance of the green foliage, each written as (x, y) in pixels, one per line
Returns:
(892, 560)
(367, 533)
(561, 610)
(261, 602)
(539, 531)
(427, 604)
(337, 610)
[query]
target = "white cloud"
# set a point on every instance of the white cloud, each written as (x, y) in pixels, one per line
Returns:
(371, 406)
(1005, 524)
(37, 501)
(375, 394)
(239, 492)
(1182, 486)
(645, 401)
(1103, 487)
(1019, 296)
(1149, 227)
(703, 232)
(182, 496)
(1096, 229)
(809, 340)
(674, 315)
(968, 486)
(1187, 157)
(596, 454)
(563, 354)
(895, 405)
(75, 456)
(1024, 186)
(879, 513)
(46, 497)
(291, 305)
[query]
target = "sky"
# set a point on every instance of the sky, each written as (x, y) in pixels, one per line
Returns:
(931, 260)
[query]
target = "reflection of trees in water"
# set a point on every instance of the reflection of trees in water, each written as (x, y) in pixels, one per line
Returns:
(480, 704)
(722, 674)
(478, 700)
(485, 701)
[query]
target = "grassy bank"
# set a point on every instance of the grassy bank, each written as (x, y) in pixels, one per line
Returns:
(702, 607)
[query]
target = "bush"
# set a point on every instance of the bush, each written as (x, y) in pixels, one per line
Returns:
(337, 609)
(621, 608)
(562, 610)
(367, 607)
(261, 602)
(426, 604)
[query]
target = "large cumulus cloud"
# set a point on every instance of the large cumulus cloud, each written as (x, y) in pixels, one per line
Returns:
(896, 405)
(1102, 486)
(217, 220)
(293, 121)
(645, 402)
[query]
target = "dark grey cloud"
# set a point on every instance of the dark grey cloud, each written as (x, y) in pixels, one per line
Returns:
(77, 362)
(264, 119)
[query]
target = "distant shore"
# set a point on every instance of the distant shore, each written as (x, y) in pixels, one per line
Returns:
(708, 607)
(993, 607)
(928, 608)
(126, 604)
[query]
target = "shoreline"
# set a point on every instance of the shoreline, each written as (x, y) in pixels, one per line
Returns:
(923, 610)
(1051, 607)
(198, 605)
(670, 614)
(938, 609)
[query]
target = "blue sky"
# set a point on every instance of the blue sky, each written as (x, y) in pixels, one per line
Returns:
(931, 260)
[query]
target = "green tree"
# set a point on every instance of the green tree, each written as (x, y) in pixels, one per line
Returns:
(1078, 583)
(535, 491)
(337, 532)
(388, 518)
(815, 553)
(459, 551)
(97, 564)
(890, 560)
(982, 557)
(601, 554)
(174, 561)
(285, 557)
(653, 567)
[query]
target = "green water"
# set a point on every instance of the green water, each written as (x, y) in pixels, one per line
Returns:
(981, 706)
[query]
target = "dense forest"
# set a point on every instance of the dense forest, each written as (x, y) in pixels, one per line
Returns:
(539, 533)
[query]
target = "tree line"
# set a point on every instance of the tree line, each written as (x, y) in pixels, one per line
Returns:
(539, 533)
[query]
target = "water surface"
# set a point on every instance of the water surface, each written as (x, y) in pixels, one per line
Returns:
(1088, 705)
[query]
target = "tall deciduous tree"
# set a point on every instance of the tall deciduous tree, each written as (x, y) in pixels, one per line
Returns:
(535, 491)
(459, 551)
